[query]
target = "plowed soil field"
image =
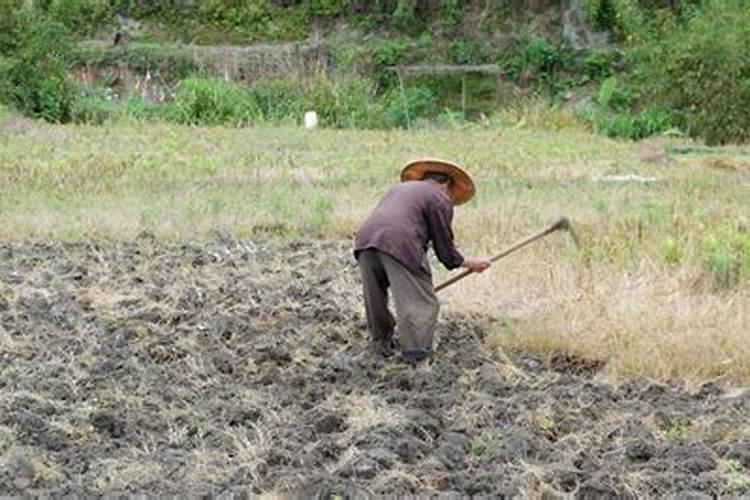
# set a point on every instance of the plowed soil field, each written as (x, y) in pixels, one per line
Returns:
(237, 368)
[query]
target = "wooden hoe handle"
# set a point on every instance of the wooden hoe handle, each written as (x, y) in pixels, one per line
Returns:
(562, 223)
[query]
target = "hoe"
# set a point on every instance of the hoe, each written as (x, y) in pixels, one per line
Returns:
(561, 224)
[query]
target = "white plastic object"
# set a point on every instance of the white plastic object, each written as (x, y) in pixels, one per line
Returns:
(311, 120)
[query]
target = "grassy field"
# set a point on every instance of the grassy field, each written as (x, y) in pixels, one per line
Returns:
(660, 287)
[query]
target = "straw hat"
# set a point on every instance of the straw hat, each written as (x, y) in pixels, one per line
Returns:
(461, 188)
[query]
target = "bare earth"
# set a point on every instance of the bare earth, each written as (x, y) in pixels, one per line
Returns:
(233, 367)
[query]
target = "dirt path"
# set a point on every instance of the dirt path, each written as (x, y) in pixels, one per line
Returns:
(234, 368)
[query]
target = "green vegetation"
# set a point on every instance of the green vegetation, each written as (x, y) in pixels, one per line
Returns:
(734, 474)
(487, 446)
(664, 75)
(699, 69)
(35, 79)
(676, 68)
(212, 102)
(341, 102)
(611, 114)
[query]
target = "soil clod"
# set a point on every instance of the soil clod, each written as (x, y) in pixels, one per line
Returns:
(238, 369)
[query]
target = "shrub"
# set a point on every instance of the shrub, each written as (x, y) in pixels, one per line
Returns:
(80, 16)
(37, 80)
(98, 109)
(720, 261)
(385, 55)
(702, 71)
(605, 14)
(614, 96)
(543, 65)
(726, 256)
(405, 13)
(13, 22)
(465, 51)
(328, 8)
(612, 114)
(600, 63)
(629, 125)
(211, 101)
(451, 13)
(539, 56)
(344, 102)
(402, 107)
(5, 67)
(277, 99)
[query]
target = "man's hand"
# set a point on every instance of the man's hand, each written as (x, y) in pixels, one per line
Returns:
(476, 265)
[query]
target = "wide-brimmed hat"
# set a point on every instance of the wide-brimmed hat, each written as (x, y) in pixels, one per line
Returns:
(461, 188)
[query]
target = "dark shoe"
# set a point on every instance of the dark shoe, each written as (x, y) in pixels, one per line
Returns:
(416, 355)
(385, 348)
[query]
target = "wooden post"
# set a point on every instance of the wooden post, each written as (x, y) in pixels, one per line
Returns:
(403, 98)
(463, 97)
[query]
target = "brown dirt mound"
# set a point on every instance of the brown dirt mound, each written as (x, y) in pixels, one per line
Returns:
(236, 368)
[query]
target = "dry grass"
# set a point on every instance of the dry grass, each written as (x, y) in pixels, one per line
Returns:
(660, 287)
(647, 321)
(367, 411)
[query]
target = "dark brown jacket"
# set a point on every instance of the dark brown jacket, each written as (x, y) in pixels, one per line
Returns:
(409, 217)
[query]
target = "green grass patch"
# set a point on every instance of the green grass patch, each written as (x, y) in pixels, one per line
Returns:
(734, 475)
(487, 446)
(325, 180)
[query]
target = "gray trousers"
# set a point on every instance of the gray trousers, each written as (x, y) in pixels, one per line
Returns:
(417, 306)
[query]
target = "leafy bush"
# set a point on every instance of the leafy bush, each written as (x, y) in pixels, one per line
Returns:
(80, 16)
(464, 51)
(277, 100)
(702, 71)
(614, 96)
(600, 63)
(405, 13)
(247, 19)
(542, 64)
(451, 12)
(208, 101)
(344, 102)
(13, 22)
(36, 77)
(99, 109)
(212, 101)
(401, 108)
(385, 55)
(536, 54)
(605, 14)
(328, 8)
(612, 114)
(722, 260)
(629, 125)
(5, 67)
